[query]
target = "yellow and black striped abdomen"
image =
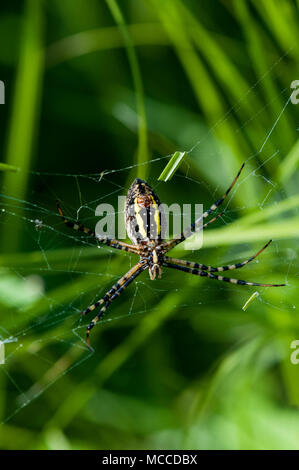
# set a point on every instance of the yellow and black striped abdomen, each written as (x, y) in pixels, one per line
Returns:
(143, 215)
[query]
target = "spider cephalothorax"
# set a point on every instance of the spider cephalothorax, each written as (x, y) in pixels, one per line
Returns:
(154, 257)
(144, 219)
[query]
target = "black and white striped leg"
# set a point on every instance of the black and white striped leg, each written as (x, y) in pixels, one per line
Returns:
(203, 267)
(105, 240)
(212, 220)
(190, 230)
(208, 274)
(112, 294)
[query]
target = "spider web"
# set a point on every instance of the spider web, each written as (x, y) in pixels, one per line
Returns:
(37, 322)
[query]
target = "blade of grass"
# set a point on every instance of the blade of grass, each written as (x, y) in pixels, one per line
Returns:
(142, 153)
(246, 230)
(23, 125)
(54, 258)
(208, 95)
(259, 58)
(290, 164)
(250, 300)
(172, 166)
(228, 236)
(93, 40)
(271, 211)
(229, 76)
(281, 18)
(2, 353)
(6, 167)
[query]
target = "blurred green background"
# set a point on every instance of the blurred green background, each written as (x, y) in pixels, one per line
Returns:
(97, 93)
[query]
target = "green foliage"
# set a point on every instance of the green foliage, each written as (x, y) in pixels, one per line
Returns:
(102, 92)
(6, 167)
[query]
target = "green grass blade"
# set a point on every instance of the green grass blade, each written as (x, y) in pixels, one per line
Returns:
(231, 236)
(206, 91)
(289, 164)
(282, 19)
(250, 300)
(260, 62)
(86, 42)
(172, 166)
(25, 111)
(6, 167)
(142, 153)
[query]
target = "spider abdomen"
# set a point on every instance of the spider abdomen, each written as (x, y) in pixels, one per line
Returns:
(143, 213)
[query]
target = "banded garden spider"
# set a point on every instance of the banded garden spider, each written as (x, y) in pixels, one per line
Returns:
(151, 248)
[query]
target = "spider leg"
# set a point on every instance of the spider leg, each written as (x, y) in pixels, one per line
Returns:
(200, 266)
(112, 294)
(197, 272)
(105, 240)
(190, 230)
(203, 267)
(212, 220)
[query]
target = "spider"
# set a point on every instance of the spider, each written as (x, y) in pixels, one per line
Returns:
(142, 205)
